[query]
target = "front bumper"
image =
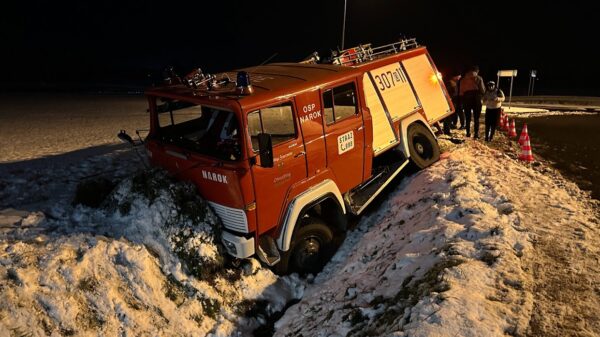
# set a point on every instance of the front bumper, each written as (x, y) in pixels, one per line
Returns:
(238, 246)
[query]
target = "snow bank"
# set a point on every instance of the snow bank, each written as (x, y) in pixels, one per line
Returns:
(442, 257)
(147, 263)
(549, 113)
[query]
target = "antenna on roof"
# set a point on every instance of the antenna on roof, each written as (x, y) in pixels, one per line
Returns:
(269, 59)
(313, 58)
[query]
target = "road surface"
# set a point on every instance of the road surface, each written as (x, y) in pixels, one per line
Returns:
(572, 143)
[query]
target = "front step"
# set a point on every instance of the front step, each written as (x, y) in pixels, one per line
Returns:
(267, 250)
(364, 194)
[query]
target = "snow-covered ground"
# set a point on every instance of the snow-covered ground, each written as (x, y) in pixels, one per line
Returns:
(441, 258)
(145, 263)
(574, 103)
(519, 110)
(37, 125)
(521, 113)
(479, 244)
(464, 248)
(524, 112)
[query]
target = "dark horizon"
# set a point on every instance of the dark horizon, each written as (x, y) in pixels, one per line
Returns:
(65, 46)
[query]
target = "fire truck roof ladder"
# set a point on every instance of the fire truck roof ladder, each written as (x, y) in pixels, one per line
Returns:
(364, 52)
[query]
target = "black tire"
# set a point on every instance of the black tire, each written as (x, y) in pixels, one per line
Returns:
(422, 145)
(311, 248)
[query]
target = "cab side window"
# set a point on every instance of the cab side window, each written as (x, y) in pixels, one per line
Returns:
(276, 120)
(339, 103)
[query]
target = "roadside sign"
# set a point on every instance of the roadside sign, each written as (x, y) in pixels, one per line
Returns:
(507, 73)
(512, 73)
(532, 78)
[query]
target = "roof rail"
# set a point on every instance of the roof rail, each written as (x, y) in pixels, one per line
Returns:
(364, 52)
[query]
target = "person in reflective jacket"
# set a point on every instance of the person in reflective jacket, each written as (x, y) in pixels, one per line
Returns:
(492, 99)
(471, 90)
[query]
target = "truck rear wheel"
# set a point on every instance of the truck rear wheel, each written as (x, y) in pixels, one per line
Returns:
(424, 149)
(310, 249)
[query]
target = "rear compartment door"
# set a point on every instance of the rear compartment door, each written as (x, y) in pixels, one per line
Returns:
(271, 184)
(389, 97)
(428, 86)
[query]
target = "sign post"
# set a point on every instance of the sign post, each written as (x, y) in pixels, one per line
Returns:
(508, 73)
(532, 78)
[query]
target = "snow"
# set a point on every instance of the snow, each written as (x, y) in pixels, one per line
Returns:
(448, 254)
(519, 109)
(522, 114)
(38, 125)
(527, 112)
(141, 264)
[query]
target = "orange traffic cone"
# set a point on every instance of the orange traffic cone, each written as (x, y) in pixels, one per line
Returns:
(505, 127)
(523, 135)
(526, 154)
(513, 131)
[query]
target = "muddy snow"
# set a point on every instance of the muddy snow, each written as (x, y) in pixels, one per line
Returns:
(479, 244)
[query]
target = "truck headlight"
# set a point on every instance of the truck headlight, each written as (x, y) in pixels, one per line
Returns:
(230, 246)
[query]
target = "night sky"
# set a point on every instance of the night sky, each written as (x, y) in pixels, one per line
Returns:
(47, 44)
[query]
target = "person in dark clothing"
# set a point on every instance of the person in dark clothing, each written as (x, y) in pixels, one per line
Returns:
(471, 91)
(458, 115)
(492, 99)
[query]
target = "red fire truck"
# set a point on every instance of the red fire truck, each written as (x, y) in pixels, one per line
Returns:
(283, 152)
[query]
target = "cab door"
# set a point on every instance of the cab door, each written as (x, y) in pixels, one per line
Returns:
(344, 133)
(271, 184)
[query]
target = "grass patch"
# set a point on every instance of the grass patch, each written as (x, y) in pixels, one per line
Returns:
(410, 293)
(149, 183)
(88, 284)
(489, 257)
(198, 318)
(90, 318)
(252, 308)
(20, 332)
(11, 275)
(188, 224)
(175, 290)
(210, 307)
(179, 292)
(197, 265)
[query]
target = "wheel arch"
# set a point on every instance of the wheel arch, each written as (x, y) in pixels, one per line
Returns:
(405, 123)
(325, 192)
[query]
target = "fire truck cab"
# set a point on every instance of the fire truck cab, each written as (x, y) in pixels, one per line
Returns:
(283, 152)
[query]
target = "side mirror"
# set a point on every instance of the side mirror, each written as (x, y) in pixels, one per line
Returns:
(265, 148)
(124, 137)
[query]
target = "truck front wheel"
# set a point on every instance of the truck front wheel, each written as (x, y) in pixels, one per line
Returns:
(423, 147)
(310, 249)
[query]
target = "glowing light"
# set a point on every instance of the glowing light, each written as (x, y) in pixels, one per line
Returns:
(435, 78)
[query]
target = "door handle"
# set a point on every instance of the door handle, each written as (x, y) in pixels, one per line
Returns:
(301, 153)
(360, 128)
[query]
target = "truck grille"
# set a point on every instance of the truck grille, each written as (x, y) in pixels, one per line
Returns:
(232, 218)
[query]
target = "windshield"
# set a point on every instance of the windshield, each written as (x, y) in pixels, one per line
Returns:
(202, 129)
